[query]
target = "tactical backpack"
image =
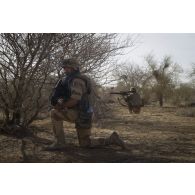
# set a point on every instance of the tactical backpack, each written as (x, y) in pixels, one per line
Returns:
(85, 111)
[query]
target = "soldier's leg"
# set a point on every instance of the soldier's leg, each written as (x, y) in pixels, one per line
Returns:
(113, 139)
(57, 125)
(130, 108)
(57, 118)
(86, 141)
(137, 110)
(84, 137)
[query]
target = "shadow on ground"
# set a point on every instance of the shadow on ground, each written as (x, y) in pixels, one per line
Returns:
(155, 136)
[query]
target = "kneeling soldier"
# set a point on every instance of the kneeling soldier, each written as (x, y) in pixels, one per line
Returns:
(70, 101)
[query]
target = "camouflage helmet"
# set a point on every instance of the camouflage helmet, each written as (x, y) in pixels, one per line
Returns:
(70, 62)
(133, 89)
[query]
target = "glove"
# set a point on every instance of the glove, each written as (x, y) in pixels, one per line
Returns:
(60, 104)
(60, 101)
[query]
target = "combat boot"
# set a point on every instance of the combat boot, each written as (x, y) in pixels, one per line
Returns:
(116, 140)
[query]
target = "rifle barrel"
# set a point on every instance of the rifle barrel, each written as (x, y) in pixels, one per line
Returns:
(121, 93)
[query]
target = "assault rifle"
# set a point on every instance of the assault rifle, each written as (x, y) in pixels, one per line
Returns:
(123, 93)
(123, 99)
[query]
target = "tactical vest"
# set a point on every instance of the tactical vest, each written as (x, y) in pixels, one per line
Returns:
(63, 87)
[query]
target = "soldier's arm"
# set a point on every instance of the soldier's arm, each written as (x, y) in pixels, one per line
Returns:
(70, 103)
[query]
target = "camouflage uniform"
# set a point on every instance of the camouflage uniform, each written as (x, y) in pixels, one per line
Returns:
(58, 116)
(77, 89)
(134, 102)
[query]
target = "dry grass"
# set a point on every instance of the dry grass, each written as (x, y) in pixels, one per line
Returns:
(188, 112)
(155, 135)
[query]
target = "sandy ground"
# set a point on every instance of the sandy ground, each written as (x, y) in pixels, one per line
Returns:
(155, 135)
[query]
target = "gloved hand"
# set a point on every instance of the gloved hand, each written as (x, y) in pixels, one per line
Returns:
(60, 101)
(60, 104)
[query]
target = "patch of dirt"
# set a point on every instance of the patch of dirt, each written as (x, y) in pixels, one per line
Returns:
(155, 135)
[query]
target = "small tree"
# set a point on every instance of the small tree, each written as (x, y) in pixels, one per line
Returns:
(183, 95)
(132, 75)
(164, 76)
(24, 68)
(97, 53)
(29, 62)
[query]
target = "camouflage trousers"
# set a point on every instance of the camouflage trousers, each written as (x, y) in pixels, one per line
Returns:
(70, 115)
(134, 109)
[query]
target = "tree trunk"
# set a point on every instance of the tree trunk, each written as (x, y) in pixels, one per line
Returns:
(16, 118)
(6, 112)
(161, 100)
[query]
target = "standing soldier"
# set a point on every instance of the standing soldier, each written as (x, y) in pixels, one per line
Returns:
(134, 101)
(70, 101)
